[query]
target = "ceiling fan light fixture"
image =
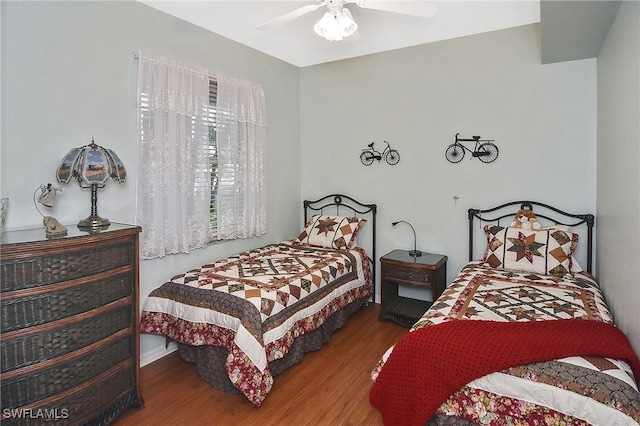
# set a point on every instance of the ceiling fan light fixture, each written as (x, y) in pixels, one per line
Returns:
(336, 25)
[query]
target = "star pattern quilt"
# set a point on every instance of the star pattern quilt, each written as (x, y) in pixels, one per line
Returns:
(577, 390)
(256, 303)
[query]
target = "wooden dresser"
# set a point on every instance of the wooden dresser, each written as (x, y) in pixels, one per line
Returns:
(70, 338)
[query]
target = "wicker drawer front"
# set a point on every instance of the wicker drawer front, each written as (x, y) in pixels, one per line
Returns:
(38, 385)
(109, 397)
(28, 311)
(28, 273)
(408, 275)
(33, 348)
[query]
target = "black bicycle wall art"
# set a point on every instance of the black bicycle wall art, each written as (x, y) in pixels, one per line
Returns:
(485, 150)
(390, 155)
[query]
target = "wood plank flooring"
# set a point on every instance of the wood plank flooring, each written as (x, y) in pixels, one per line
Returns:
(328, 387)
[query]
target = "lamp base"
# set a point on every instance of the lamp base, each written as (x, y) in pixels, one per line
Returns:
(415, 253)
(93, 222)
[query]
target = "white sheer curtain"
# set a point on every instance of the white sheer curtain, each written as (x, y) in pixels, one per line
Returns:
(241, 121)
(174, 180)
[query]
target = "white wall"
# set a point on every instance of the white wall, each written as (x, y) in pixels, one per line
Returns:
(543, 118)
(68, 74)
(618, 188)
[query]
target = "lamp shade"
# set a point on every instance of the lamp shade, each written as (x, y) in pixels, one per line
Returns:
(92, 165)
(336, 25)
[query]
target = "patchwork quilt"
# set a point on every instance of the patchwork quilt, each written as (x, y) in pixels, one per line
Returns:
(576, 390)
(256, 303)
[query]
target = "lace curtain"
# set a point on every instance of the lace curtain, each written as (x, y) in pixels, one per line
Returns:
(174, 181)
(241, 121)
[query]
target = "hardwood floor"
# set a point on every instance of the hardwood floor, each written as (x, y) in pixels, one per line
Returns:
(328, 387)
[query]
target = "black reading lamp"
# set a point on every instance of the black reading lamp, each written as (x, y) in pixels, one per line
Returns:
(415, 252)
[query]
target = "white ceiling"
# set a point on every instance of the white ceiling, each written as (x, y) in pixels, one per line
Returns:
(295, 42)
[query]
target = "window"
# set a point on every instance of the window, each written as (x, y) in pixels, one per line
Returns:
(201, 158)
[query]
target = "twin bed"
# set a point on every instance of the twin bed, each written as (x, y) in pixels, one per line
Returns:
(521, 336)
(245, 319)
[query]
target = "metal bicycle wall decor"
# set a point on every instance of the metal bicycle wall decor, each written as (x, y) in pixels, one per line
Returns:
(390, 155)
(485, 150)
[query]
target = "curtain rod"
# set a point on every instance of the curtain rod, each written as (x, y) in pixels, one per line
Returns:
(160, 59)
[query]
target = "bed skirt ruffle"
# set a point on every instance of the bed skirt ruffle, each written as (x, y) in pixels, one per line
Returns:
(210, 360)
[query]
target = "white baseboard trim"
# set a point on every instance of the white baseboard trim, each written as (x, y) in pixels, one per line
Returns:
(156, 354)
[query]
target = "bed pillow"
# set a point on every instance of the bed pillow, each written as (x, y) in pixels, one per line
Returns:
(546, 252)
(575, 266)
(331, 231)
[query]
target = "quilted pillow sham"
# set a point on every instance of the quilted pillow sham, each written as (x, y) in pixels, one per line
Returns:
(331, 231)
(547, 252)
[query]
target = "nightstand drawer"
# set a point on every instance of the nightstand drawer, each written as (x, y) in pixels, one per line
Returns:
(408, 275)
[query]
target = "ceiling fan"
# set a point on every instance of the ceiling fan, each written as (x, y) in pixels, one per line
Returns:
(338, 22)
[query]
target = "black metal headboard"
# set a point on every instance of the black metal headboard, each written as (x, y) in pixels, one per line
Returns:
(544, 211)
(343, 205)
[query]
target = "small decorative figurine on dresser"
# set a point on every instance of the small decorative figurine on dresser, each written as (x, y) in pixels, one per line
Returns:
(4, 207)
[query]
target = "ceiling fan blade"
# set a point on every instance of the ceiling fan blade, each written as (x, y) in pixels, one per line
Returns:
(425, 9)
(289, 16)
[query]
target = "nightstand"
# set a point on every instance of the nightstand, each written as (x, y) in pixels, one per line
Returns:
(398, 268)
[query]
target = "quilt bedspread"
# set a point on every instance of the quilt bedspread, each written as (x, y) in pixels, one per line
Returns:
(256, 303)
(577, 390)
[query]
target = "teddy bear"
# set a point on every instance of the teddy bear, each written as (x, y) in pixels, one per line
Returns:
(526, 219)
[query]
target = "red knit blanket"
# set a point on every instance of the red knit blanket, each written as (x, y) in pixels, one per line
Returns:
(432, 363)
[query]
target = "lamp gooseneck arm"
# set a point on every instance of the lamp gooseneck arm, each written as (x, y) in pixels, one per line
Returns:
(415, 252)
